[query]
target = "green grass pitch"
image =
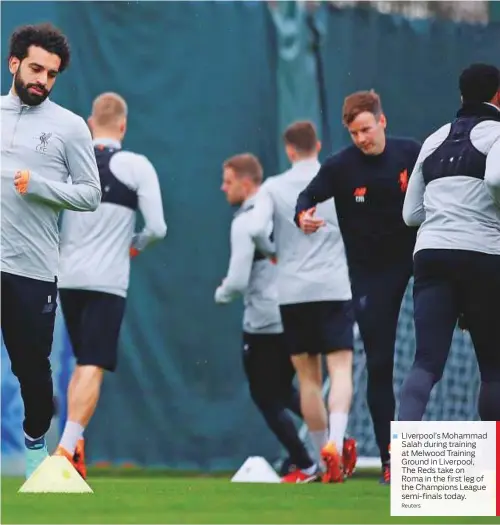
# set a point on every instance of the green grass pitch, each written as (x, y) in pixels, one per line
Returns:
(163, 497)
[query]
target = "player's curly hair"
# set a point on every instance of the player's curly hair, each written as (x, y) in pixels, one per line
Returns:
(479, 83)
(45, 36)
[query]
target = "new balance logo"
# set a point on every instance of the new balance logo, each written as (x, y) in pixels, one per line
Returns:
(49, 307)
(359, 194)
(403, 180)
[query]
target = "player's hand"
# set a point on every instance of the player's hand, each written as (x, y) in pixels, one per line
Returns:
(308, 222)
(219, 296)
(21, 181)
(134, 252)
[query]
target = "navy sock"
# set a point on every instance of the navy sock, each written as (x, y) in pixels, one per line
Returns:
(34, 444)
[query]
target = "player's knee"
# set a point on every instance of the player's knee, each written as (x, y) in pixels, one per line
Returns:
(90, 372)
(340, 357)
(39, 424)
(38, 371)
(310, 388)
(308, 375)
(339, 362)
(420, 381)
(380, 373)
(96, 366)
(380, 386)
(268, 407)
(261, 396)
(308, 369)
(434, 369)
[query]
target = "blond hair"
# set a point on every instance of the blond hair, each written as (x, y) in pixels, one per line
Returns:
(108, 109)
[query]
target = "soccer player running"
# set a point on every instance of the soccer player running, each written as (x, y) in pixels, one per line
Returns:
(315, 301)
(368, 182)
(95, 264)
(454, 196)
(43, 144)
(252, 275)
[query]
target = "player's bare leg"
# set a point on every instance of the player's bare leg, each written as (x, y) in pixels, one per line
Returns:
(309, 376)
(339, 365)
(83, 395)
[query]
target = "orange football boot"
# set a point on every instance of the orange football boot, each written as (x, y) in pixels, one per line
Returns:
(78, 458)
(333, 462)
(349, 456)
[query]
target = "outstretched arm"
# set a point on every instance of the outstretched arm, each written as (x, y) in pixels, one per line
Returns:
(320, 189)
(240, 264)
(150, 206)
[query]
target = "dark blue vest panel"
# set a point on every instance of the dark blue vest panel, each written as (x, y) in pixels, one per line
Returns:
(258, 256)
(113, 190)
(457, 156)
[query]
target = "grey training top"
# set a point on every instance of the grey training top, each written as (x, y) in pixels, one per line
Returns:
(310, 267)
(95, 247)
(252, 275)
(455, 196)
(53, 144)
